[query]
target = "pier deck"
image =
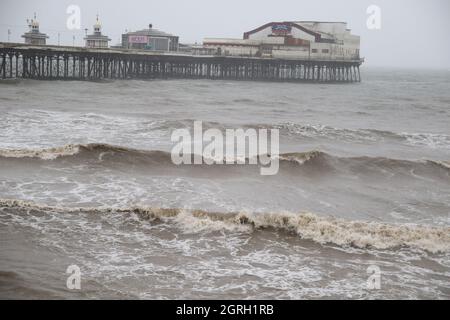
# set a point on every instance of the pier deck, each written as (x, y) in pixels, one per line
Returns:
(76, 63)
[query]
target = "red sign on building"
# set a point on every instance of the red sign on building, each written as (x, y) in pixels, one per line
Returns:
(138, 39)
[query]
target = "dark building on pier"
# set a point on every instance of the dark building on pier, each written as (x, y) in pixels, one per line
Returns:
(150, 39)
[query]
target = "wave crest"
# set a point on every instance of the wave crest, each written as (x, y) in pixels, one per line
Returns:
(431, 140)
(309, 226)
(302, 157)
(44, 154)
(111, 155)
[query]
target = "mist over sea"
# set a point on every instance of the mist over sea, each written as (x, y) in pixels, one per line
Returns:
(86, 179)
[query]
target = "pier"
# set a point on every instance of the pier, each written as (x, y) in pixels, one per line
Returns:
(21, 61)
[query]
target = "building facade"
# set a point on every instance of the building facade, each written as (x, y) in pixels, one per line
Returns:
(150, 39)
(34, 36)
(96, 39)
(292, 40)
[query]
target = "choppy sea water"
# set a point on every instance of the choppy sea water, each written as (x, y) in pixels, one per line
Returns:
(86, 179)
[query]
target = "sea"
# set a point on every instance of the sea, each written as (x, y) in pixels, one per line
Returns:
(360, 207)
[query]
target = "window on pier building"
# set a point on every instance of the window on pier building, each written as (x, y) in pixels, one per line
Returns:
(314, 50)
(325, 51)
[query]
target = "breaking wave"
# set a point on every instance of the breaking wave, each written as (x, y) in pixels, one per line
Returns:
(44, 154)
(309, 226)
(122, 155)
(431, 140)
(74, 150)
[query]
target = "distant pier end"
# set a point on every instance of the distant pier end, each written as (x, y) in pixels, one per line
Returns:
(291, 40)
(73, 63)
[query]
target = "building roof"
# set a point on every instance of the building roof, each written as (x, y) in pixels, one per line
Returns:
(150, 32)
(35, 35)
(288, 23)
(310, 21)
(97, 37)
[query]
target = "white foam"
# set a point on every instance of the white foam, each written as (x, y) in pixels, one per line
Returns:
(45, 154)
(321, 229)
(430, 140)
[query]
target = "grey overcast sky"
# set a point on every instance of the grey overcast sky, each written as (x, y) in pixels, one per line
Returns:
(414, 33)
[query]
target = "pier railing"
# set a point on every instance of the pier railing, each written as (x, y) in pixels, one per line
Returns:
(71, 63)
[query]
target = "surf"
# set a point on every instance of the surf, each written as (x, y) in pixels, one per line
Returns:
(108, 154)
(324, 230)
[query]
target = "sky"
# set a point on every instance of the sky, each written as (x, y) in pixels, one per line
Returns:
(413, 33)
